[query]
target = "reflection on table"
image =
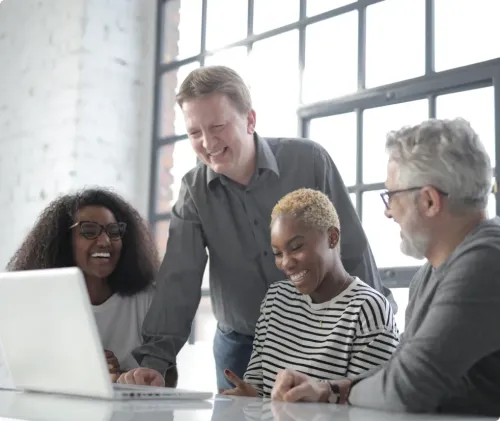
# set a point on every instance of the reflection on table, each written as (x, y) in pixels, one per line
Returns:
(44, 407)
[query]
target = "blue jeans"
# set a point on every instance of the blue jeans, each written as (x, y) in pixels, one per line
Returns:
(232, 350)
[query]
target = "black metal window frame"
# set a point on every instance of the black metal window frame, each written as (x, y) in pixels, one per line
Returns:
(428, 86)
(161, 68)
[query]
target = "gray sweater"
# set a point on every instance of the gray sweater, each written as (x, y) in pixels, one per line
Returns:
(449, 356)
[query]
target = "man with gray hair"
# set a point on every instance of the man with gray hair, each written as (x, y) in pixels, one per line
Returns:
(438, 181)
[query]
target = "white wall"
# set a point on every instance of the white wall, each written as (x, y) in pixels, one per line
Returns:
(76, 86)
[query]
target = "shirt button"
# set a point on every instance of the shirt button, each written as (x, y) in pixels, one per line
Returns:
(265, 253)
(256, 222)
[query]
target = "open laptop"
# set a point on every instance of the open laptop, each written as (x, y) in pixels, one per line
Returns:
(50, 340)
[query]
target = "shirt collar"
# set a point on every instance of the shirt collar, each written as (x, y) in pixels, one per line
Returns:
(265, 159)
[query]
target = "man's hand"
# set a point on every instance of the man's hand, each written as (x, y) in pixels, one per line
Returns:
(142, 376)
(292, 386)
(241, 388)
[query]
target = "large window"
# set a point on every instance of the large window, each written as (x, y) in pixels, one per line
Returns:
(341, 72)
(406, 71)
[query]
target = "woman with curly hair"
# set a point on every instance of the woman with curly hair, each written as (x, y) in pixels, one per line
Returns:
(98, 231)
(320, 321)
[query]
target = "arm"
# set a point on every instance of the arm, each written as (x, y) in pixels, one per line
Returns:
(460, 329)
(167, 324)
(376, 336)
(356, 254)
(254, 375)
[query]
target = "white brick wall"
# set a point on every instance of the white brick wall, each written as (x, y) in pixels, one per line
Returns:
(76, 80)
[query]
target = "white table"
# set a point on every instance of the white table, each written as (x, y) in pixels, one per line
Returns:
(40, 407)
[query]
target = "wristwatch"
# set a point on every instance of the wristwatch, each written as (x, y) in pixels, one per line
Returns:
(334, 396)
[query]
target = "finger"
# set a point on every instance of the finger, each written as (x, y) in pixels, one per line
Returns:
(234, 379)
(284, 382)
(221, 391)
(297, 393)
(139, 378)
(157, 380)
(113, 361)
(108, 353)
(114, 378)
(231, 392)
(127, 378)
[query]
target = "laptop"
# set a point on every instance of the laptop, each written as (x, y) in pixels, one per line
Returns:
(50, 342)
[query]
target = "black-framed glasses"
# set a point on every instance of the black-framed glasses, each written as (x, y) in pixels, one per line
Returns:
(387, 194)
(91, 230)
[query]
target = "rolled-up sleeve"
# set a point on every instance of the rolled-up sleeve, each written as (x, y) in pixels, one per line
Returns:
(168, 322)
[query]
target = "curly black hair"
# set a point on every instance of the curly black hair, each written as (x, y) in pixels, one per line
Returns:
(49, 244)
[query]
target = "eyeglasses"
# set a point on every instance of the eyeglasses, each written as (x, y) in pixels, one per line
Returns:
(91, 230)
(387, 194)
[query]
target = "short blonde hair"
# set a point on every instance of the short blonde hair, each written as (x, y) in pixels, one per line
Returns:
(311, 206)
(216, 79)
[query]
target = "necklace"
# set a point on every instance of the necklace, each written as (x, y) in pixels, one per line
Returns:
(342, 287)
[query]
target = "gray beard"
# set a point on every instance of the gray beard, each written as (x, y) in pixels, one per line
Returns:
(415, 247)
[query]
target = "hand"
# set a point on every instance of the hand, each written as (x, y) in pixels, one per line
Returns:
(292, 386)
(242, 388)
(142, 376)
(113, 365)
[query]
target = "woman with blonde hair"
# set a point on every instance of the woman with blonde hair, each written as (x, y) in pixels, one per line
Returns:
(320, 320)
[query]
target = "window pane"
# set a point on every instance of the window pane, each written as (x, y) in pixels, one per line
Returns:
(160, 234)
(274, 84)
(337, 134)
(181, 29)
(234, 28)
(478, 107)
(171, 120)
(174, 160)
(235, 58)
(270, 14)
(315, 7)
(377, 122)
(196, 362)
(383, 234)
(401, 297)
(465, 32)
(395, 41)
(332, 39)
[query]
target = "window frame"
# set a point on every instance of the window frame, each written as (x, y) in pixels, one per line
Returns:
(428, 86)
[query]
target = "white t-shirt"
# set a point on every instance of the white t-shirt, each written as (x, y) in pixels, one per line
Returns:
(119, 321)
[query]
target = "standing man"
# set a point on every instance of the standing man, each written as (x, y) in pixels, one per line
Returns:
(224, 207)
